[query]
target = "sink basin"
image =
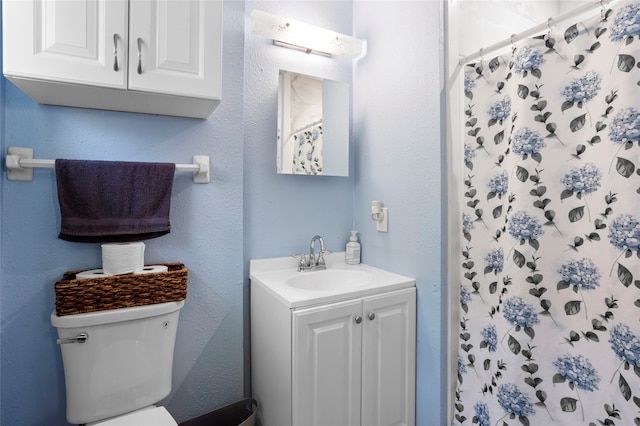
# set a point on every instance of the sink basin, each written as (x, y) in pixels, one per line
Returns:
(339, 282)
(331, 279)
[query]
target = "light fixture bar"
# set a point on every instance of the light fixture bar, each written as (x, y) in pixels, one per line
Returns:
(302, 36)
(300, 48)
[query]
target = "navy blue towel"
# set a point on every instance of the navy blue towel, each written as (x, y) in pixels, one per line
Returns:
(113, 201)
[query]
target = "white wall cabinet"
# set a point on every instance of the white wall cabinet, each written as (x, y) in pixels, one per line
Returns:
(149, 56)
(350, 363)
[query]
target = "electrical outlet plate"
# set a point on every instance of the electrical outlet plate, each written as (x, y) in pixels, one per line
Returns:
(383, 225)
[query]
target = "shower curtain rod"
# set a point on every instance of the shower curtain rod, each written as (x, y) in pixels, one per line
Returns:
(308, 126)
(534, 30)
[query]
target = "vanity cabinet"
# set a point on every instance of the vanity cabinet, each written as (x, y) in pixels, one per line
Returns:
(349, 363)
(151, 56)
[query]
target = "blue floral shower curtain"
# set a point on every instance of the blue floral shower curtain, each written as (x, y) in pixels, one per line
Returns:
(307, 154)
(550, 271)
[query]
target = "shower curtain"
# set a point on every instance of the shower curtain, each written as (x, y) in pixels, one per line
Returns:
(549, 328)
(307, 151)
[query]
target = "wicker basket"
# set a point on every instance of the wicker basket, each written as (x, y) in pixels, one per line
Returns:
(120, 291)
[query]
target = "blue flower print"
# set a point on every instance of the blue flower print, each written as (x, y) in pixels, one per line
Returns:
(527, 59)
(585, 179)
(584, 88)
(625, 344)
(512, 400)
(469, 153)
(482, 414)
(490, 337)
(625, 126)
(499, 184)
(467, 223)
(578, 370)
(462, 369)
(583, 274)
(500, 110)
(624, 233)
(469, 83)
(626, 23)
(519, 313)
(465, 295)
(495, 260)
(523, 226)
(527, 141)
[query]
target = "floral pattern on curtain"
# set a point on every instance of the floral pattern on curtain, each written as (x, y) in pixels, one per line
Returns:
(307, 156)
(550, 272)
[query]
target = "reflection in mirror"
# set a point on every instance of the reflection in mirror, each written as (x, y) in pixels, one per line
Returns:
(313, 126)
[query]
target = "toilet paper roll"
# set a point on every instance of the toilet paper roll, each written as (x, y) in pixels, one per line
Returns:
(122, 258)
(99, 273)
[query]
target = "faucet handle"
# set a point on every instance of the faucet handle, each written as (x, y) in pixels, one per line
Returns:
(320, 258)
(302, 259)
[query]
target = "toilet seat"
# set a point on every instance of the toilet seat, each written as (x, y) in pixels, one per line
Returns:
(150, 416)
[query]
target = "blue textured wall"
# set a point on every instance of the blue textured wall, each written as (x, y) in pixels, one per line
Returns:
(248, 211)
(206, 235)
(283, 212)
(399, 161)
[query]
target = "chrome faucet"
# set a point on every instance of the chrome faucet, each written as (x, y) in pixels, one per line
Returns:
(315, 262)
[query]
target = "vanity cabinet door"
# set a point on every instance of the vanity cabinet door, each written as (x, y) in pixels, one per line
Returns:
(354, 362)
(70, 41)
(327, 365)
(388, 358)
(175, 47)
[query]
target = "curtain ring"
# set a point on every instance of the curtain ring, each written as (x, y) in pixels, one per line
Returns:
(511, 37)
(481, 57)
(602, 10)
(549, 26)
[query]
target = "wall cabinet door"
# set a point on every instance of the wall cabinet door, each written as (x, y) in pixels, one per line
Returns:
(164, 56)
(78, 41)
(175, 47)
(327, 365)
(354, 362)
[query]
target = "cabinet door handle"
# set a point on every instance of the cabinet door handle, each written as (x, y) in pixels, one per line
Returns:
(358, 319)
(139, 55)
(116, 37)
(371, 316)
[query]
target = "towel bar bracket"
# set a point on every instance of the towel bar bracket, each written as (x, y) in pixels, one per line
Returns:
(14, 170)
(203, 174)
(20, 164)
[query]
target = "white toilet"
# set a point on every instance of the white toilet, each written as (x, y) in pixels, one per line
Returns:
(118, 363)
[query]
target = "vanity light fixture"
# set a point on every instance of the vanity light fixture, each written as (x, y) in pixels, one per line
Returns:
(308, 38)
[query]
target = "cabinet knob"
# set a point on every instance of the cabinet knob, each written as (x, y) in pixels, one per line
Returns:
(358, 319)
(371, 316)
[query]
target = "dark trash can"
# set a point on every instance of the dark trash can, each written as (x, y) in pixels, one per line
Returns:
(241, 413)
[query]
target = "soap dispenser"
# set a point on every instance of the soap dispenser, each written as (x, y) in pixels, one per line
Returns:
(352, 255)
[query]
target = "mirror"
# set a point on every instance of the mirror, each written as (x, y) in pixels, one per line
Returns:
(313, 125)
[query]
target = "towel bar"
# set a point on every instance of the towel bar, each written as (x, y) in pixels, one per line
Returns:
(20, 164)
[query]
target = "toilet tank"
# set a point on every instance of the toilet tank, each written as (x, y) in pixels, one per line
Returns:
(124, 364)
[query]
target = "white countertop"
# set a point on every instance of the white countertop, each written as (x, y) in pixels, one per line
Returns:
(279, 275)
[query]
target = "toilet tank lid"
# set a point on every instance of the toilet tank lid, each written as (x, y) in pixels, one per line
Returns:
(154, 416)
(114, 315)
